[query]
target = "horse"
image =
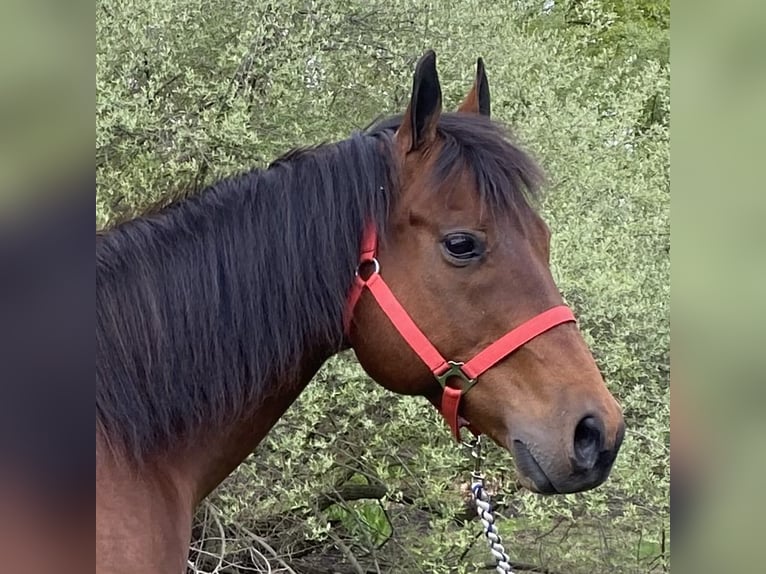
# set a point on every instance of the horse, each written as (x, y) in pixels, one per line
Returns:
(415, 239)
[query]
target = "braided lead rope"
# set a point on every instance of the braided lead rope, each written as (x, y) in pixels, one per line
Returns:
(484, 510)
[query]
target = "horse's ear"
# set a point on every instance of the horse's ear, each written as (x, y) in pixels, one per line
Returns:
(418, 127)
(477, 100)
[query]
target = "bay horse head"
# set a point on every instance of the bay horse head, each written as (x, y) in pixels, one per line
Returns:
(456, 295)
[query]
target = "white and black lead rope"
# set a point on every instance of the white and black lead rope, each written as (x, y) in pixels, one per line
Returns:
(487, 517)
(484, 510)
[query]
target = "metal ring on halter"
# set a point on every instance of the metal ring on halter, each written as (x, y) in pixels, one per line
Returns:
(376, 266)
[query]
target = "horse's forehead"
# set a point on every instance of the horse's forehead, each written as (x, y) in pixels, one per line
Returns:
(425, 187)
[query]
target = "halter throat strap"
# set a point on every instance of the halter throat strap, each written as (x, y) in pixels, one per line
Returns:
(456, 378)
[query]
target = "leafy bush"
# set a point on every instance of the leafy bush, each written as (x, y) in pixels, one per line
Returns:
(188, 91)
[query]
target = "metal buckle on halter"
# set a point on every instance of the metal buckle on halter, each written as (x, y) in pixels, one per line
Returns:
(456, 370)
(375, 267)
(473, 449)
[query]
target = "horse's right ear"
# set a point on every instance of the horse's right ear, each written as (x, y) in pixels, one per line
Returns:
(418, 127)
(477, 100)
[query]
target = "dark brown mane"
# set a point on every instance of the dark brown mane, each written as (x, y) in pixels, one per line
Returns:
(203, 305)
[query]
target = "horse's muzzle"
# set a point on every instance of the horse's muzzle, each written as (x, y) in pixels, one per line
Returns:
(588, 466)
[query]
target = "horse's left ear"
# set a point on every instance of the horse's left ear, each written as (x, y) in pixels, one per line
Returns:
(477, 100)
(418, 127)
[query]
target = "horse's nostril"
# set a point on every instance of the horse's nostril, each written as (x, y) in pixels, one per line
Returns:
(588, 442)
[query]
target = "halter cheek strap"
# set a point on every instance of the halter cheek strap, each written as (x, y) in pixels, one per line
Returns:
(456, 378)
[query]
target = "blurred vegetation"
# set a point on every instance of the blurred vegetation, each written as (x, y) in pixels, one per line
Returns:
(355, 479)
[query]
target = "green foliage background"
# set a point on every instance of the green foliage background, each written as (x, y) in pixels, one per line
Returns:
(188, 91)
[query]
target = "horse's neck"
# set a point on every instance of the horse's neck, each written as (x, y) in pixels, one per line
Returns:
(194, 328)
(144, 517)
(216, 456)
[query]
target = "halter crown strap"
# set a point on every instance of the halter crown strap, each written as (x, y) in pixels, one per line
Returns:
(367, 255)
(444, 371)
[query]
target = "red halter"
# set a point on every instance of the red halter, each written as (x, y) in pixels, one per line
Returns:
(445, 371)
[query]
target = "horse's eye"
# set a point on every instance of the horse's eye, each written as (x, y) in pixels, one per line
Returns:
(463, 246)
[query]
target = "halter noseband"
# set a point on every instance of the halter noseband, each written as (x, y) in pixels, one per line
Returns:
(464, 374)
